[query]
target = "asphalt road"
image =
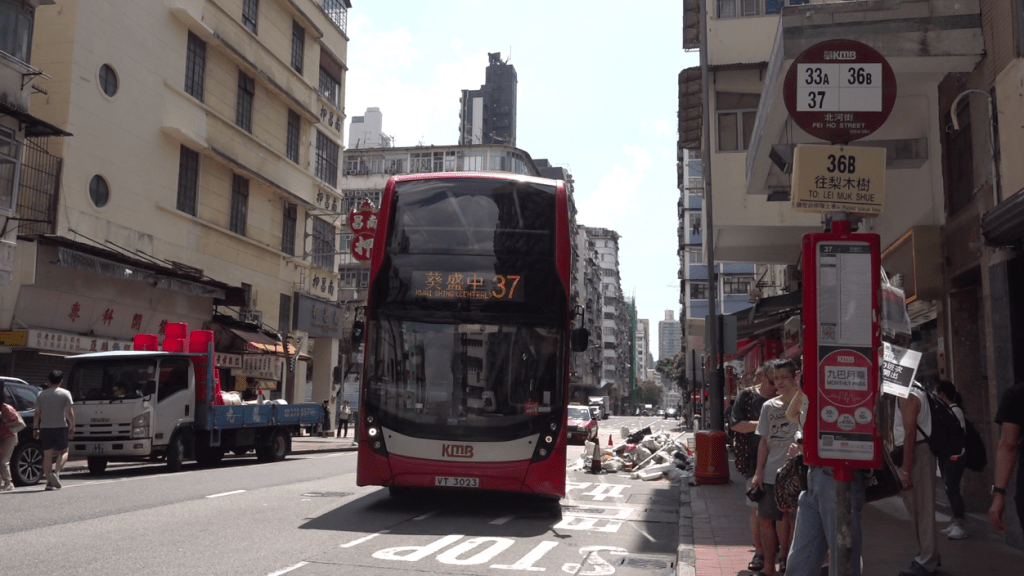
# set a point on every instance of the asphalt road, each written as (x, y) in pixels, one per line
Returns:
(305, 516)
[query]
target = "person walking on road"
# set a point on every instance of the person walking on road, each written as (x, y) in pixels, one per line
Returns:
(912, 424)
(744, 415)
(344, 413)
(1010, 416)
(777, 434)
(325, 428)
(54, 425)
(952, 468)
(8, 440)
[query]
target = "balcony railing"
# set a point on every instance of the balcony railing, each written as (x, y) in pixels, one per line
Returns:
(38, 190)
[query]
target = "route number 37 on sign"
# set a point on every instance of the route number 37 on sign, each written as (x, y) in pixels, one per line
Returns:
(839, 87)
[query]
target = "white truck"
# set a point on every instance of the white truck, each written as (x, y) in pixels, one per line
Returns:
(601, 401)
(157, 405)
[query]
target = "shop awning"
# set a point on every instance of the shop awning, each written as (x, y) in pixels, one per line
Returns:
(691, 109)
(1004, 224)
(768, 314)
(260, 342)
(34, 127)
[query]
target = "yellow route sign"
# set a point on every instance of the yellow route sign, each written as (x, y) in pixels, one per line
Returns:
(839, 179)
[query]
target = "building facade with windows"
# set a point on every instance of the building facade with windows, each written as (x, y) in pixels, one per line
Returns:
(367, 131)
(28, 173)
(488, 115)
(616, 327)
(204, 188)
(952, 232)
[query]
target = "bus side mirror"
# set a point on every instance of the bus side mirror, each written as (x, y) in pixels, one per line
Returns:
(357, 332)
(579, 339)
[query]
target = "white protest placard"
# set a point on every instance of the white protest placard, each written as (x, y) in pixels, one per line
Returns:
(899, 365)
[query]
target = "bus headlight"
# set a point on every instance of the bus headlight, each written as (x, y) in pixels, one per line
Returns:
(376, 435)
(140, 426)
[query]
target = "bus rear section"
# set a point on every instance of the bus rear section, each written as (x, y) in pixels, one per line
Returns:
(465, 375)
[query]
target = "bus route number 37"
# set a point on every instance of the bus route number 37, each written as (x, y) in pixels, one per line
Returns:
(455, 482)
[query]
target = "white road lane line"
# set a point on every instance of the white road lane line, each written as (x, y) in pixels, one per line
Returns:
(364, 539)
(225, 494)
(503, 519)
(288, 569)
(425, 516)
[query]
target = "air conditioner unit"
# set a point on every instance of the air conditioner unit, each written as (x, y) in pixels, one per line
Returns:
(251, 315)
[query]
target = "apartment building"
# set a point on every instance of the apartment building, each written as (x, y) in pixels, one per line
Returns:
(367, 131)
(488, 115)
(616, 353)
(203, 186)
(951, 228)
(29, 178)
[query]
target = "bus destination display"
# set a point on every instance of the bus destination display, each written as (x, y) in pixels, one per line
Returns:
(468, 285)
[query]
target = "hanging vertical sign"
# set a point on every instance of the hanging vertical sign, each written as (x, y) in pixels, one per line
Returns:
(363, 223)
(841, 343)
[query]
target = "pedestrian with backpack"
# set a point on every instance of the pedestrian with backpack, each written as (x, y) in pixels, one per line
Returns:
(912, 425)
(952, 467)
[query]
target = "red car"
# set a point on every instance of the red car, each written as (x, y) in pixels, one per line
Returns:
(582, 425)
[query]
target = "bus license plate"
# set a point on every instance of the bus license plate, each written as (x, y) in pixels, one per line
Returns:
(454, 482)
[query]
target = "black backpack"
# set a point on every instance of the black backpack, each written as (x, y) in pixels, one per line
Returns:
(948, 437)
(975, 458)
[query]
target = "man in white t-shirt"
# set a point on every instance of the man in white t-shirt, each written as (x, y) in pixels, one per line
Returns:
(777, 434)
(54, 425)
(917, 473)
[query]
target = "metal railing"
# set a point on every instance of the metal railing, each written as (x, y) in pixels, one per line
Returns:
(38, 189)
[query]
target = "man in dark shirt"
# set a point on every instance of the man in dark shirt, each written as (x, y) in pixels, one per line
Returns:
(1010, 416)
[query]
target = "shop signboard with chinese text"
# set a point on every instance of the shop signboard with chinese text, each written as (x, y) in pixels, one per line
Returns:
(841, 340)
(363, 223)
(318, 317)
(839, 179)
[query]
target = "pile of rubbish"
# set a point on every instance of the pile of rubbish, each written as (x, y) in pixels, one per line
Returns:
(644, 454)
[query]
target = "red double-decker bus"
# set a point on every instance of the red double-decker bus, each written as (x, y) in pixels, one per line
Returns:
(468, 335)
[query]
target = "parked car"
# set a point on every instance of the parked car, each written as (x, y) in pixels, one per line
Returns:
(582, 425)
(27, 459)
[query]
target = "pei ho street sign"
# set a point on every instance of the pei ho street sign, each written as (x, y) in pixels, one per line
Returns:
(840, 90)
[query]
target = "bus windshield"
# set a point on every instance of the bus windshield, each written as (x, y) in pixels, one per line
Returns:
(437, 380)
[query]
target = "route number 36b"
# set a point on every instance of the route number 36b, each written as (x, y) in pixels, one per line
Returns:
(842, 164)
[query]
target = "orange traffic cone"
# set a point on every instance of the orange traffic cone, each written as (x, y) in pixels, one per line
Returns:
(610, 440)
(595, 461)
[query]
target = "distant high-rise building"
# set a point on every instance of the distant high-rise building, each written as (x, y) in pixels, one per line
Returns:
(670, 336)
(643, 344)
(488, 115)
(366, 131)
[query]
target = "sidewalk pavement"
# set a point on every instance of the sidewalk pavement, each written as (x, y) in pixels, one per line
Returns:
(714, 534)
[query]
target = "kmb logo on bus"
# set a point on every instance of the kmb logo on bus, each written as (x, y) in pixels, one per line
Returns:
(456, 451)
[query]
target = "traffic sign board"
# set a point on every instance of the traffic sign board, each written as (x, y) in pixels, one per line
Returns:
(839, 179)
(840, 90)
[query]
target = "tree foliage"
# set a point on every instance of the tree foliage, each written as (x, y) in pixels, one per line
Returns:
(674, 368)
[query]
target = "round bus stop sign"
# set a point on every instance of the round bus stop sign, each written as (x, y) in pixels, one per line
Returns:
(840, 90)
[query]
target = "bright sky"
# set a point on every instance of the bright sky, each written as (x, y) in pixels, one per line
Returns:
(597, 94)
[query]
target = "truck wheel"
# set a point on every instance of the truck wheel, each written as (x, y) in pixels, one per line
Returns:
(175, 453)
(27, 464)
(279, 446)
(97, 465)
